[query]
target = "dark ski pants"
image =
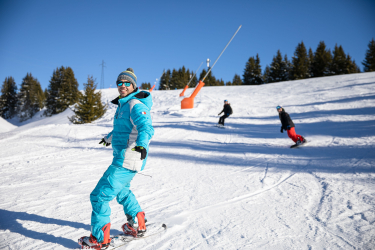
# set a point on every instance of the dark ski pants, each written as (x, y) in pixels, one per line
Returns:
(222, 118)
(292, 135)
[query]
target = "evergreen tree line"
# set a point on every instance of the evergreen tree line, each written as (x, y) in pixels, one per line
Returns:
(306, 64)
(177, 79)
(61, 93)
(146, 85)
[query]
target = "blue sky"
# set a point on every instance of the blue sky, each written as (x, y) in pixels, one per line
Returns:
(149, 36)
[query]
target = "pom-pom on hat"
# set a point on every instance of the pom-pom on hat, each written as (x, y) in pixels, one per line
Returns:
(129, 76)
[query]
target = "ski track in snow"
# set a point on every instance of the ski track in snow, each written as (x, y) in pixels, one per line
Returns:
(241, 187)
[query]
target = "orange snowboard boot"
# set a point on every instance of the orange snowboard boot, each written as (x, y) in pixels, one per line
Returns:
(92, 243)
(137, 227)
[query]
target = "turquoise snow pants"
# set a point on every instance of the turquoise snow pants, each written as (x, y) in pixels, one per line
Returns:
(115, 182)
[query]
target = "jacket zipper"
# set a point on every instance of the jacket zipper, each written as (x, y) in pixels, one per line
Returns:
(119, 104)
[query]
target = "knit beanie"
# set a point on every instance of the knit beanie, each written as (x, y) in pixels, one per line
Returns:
(279, 107)
(129, 76)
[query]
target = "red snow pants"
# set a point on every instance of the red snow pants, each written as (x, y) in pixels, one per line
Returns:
(292, 135)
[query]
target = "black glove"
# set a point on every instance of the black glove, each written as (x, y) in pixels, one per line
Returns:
(104, 143)
(282, 130)
(141, 150)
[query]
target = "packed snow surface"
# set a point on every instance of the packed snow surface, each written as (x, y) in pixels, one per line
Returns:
(241, 187)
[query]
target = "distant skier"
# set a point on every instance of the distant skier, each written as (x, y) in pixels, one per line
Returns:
(130, 137)
(288, 125)
(227, 112)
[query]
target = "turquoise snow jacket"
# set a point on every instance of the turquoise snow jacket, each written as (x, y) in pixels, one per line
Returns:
(132, 126)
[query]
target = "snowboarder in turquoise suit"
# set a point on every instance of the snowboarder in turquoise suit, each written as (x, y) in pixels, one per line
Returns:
(130, 138)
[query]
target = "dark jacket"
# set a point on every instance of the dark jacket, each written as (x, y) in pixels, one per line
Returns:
(285, 120)
(227, 110)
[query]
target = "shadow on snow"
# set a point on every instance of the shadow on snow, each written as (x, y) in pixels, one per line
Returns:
(9, 221)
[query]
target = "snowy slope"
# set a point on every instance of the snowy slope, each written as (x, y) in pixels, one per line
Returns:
(5, 126)
(236, 188)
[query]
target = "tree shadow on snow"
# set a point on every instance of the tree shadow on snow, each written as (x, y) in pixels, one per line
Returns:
(350, 99)
(325, 127)
(303, 159)
(335, 156)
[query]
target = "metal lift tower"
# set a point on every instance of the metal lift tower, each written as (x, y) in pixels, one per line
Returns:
(102, 77)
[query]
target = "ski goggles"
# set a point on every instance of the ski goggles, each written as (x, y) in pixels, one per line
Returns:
(278, 107)
(127, 84)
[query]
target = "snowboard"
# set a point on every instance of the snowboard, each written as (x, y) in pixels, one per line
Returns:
(120, 240)
(299, 145)
(219, 126)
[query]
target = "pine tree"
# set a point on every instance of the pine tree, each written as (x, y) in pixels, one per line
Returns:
(220, 82)
(146, 85)
(369, 62)
(30, 98)
(248, 74)
(175, 78)
(62, 91)
(300, 63)
(194, 81)
(53, 93)
(8, 98)
(229, 83)
(184, 77)
(237, 80)
(351, 65)
(266, 75)
(89, 106)
(253, 72)
(279, 68)
(286, 67)
(210, 79)
(165, 81)
(339, 63)
(311, 59)
(46, 94)
(322, 61)
(69, 89)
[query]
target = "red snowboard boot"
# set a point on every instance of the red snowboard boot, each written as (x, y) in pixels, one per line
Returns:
(92, 243)
(137, 227)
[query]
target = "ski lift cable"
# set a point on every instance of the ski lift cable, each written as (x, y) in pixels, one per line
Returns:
(221, 54)
(194, 74)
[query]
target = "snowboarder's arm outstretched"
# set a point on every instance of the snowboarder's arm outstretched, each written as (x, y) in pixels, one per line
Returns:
(107, 140)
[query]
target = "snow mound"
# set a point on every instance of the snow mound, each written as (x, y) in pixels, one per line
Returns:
(5, 126)
(39, 119)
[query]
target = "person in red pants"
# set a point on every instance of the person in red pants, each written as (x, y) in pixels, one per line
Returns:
(288, 125)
